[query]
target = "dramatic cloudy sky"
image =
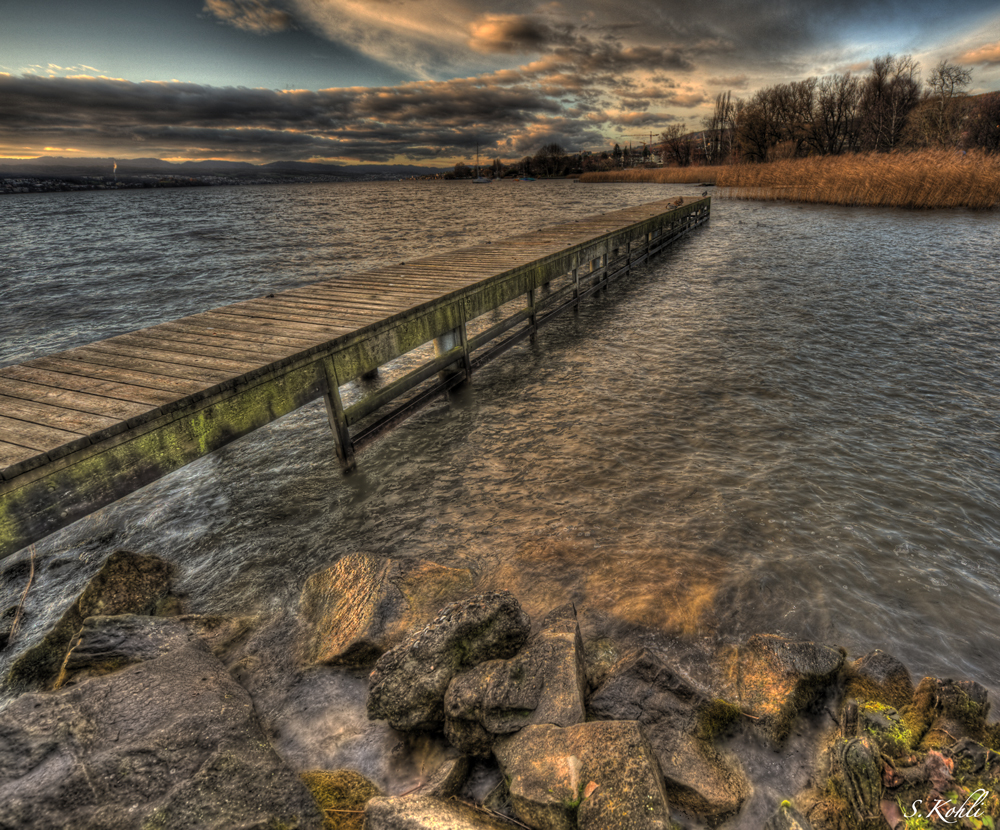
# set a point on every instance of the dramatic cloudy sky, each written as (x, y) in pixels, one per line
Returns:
(425, 80)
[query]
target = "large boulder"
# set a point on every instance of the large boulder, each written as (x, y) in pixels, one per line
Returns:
(544, 683)
(680, 721)
(592, 776)
(358, 608)
(778, 678)
(408, 684)
(427, 813)
(127, 583)
(169, 741)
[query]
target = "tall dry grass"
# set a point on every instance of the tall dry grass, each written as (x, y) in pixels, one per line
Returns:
(917, 179)
(660, 175)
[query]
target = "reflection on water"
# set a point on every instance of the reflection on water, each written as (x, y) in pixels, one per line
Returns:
(786, 423)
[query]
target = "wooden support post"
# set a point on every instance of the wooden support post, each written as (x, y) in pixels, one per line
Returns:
(628, 257)
(532, 316)
(444, 344)
(576, 290)
(338, 424)
(466, 357)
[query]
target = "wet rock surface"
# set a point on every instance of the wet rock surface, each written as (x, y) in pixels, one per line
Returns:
(593, 776)
(408, 685)
(880, 678)
(427, 813)
(363, 605)
(679, 720)
(169, 741)
(127, 583)
(545, 683)
(777, 678)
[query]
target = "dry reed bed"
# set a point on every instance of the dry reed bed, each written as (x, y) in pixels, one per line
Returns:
(920, 179)
(659, 175)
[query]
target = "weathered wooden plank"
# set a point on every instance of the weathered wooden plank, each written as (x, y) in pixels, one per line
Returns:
(56, 417)
(13, 455)
(129, 346)
(223, 317)
(102, 372)
(300, 308)
(37, 437)
(93, 386)
(256, 311)
(223, 345)
(69, 399)
(217, 329)
(171, 370)
(195, 350)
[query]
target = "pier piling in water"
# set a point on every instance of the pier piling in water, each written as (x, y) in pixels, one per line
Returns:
(85, 427)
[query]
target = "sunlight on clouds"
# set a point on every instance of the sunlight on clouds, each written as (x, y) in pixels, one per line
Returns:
(249, 15)
(988, 54)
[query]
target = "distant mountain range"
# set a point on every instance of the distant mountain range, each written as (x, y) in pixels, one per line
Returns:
(59, 167)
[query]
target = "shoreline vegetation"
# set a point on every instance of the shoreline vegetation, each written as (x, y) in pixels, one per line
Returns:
(917, 179)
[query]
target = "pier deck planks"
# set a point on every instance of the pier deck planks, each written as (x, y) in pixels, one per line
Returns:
(83, 427)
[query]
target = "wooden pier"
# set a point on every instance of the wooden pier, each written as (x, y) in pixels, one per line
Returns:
(85, 427)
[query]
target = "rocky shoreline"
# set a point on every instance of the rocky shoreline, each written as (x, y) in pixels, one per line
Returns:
(133, 714)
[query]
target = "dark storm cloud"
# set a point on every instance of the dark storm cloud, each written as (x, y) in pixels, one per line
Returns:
(419, 120)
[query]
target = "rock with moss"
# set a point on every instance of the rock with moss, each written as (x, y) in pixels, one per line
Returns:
(858, 776)
(428, 813)
(341, 796)
(543, 683)
(408, 685)
(169, 741)
(601, 775)
(879, 678)
(127, 583)
(879, 722)
(786, 817)
(777, 678)
(942, 711)
(600, 656)
(680, 721)
(358, 608)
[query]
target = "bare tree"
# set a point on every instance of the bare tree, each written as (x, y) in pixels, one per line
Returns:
(677, 144)
(888, 95)
(835, 118)
(758, 127)
(948, 85)
(719, 129)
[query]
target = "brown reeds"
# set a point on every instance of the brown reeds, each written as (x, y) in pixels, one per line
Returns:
(659, 175)
(917, 179)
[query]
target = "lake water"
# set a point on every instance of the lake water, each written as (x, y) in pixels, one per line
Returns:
(789, 422)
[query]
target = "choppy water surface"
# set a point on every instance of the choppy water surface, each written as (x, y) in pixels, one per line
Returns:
(787, 423)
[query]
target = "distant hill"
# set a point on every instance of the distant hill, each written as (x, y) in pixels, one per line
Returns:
(58, 167)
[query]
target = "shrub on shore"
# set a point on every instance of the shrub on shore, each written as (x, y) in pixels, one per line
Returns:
(919, 179)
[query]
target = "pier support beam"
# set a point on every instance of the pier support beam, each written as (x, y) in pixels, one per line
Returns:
(444, 344)
(338, 423)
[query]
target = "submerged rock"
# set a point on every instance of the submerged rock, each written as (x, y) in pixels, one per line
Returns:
(544, 683)
(170, 741)
(786, 817)
(407, 686)
(127, 583)
(592, 776)
(363, 605)
(778, 678)
(679, 720)
(427, 813)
